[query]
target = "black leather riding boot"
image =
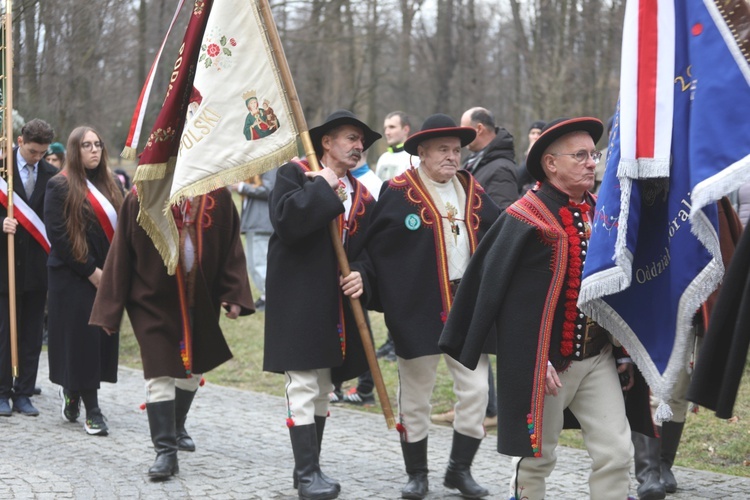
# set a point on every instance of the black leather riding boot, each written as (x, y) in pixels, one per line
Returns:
(163, 435)
(183, 400)
(647, 467)
(415, 458)
(458, 475)
(311, 485)
(320, 425)
(671, 433)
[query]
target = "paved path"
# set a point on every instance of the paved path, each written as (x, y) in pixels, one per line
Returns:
(244, 453)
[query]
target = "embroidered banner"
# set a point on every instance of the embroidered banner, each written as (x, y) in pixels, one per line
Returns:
(654, 254)
(225, 117)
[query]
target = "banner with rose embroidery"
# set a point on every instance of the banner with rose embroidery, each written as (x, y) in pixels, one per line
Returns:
(654, 254)
(225, 117)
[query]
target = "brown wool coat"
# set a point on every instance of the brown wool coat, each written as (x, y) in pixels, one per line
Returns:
(135, 278)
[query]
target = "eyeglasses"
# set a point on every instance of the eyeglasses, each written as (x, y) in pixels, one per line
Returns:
(582, 155)
(89, 146)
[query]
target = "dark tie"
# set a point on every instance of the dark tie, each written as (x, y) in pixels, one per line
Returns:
(29, 184)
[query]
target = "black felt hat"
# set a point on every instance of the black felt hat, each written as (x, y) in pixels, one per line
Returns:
(336, 119)
(552, 132)
(439, 125)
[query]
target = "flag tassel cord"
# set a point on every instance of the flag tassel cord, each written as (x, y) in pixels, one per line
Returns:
(301, 125)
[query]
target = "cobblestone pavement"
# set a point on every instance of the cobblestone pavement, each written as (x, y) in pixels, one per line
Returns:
(244, 453)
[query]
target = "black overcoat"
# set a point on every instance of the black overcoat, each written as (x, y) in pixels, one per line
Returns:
(309, 324)
(410, 282)
(80, 355)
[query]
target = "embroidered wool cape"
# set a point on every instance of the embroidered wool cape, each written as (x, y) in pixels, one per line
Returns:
(406, 246)
(309, 324)
(516, 282)
(135, 278)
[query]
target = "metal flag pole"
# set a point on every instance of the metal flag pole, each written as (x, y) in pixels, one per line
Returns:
(301, 124)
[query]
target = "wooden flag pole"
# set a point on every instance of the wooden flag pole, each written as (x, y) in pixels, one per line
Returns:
(301, 123)
(7, 149)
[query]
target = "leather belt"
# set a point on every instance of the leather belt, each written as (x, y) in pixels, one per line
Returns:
(594, 339)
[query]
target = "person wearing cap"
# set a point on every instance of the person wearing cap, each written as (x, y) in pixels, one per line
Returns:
(424, 228)
(525, 180)
(310, 333)
(55, 155)
(524, 279)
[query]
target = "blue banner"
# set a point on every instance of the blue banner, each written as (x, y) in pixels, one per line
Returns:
(654, 254)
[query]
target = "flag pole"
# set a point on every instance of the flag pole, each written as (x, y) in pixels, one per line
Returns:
(7, 149)
(301, 124)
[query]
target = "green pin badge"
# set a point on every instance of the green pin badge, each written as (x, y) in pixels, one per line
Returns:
(412, 222)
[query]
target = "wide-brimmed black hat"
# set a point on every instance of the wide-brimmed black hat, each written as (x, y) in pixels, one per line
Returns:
(338, 118)
(552, 132)
(439, 125)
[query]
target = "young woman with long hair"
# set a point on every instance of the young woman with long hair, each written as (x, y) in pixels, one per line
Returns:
(80, 214)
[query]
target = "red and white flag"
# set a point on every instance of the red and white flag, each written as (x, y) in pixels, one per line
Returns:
(26, 216)
(646, 88)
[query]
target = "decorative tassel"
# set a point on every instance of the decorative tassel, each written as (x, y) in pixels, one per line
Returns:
(663, 413)
(142, 406)
(128, 153)
(290, 422)
(202, 382)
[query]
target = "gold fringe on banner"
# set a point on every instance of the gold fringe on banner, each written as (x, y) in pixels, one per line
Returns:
(128, 153)
(160, 243)
(153, 171)
(235, 175)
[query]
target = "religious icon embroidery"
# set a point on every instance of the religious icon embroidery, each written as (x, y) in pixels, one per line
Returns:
(261, 121)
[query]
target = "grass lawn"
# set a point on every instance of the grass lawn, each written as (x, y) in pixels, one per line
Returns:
(708, 443)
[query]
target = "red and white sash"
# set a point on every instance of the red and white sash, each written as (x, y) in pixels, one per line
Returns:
(26, 216)
(104, 210)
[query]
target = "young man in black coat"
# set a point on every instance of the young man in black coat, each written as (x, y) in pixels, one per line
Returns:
(30, 175)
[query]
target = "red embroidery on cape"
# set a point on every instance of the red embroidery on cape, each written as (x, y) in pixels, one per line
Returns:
(532, 211)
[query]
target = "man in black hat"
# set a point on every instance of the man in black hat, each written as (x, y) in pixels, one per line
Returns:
(424, 228)
(524, 279)
(310, 332)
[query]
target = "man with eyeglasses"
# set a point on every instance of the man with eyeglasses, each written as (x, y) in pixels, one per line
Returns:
(524, 279)
(30, 174)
